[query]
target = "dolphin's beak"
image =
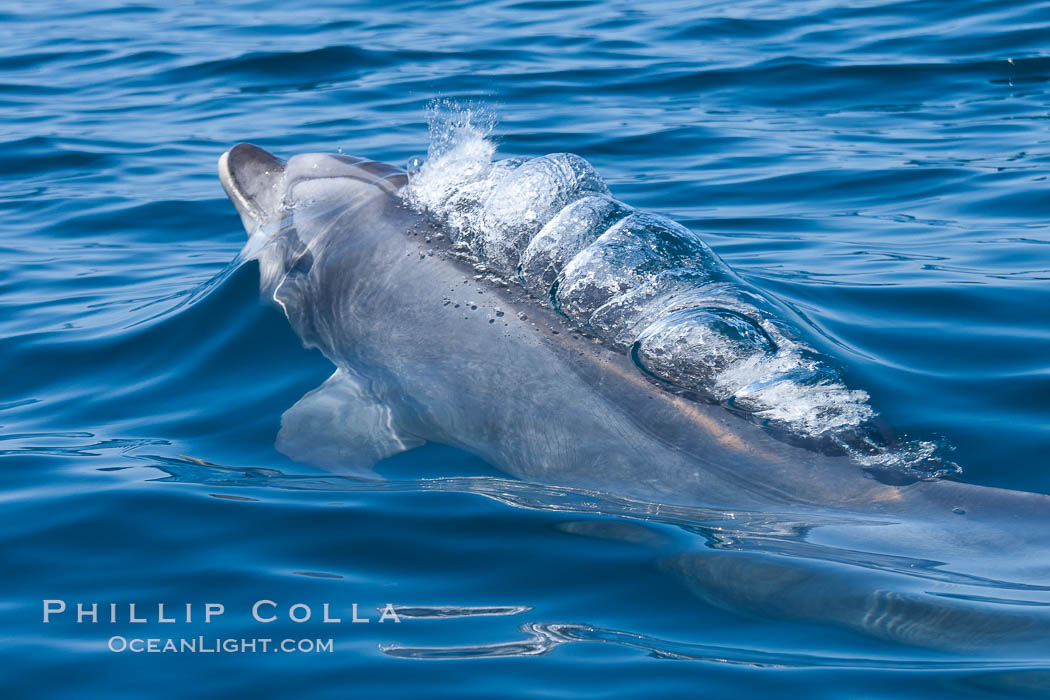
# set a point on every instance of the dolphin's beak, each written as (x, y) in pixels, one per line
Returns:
(253, 180)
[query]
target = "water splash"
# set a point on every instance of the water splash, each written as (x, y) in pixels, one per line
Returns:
(458, 171)
(647, 285)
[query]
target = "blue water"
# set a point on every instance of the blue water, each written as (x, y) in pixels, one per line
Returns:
(879, 166)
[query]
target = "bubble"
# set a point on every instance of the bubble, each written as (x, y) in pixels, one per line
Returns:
(621, 318)
(796, 393)
(635, 251)
(692, 347)
(521, 202)
(571, 230)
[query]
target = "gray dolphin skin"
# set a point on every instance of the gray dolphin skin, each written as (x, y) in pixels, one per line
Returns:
(426, 349)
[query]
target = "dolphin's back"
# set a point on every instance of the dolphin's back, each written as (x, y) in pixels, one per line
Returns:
(473, 361)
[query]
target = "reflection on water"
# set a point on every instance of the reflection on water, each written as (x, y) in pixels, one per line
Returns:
(767, 563)
(542, 638)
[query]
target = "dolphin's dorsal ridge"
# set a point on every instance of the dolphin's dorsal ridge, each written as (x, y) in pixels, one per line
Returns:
(342, 426)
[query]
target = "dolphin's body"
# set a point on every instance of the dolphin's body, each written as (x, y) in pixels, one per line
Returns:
(426, 351)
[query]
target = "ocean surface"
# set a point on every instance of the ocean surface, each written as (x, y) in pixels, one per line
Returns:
(880, 167)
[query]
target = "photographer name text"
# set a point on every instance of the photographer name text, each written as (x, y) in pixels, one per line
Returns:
(263, 611)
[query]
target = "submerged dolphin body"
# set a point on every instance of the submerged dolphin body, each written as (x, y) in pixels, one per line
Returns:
(428, 350)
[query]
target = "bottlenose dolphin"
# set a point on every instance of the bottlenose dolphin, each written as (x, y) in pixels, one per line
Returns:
(428, 349)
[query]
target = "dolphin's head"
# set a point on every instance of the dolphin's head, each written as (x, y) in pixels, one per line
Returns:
(312, 206)
(254, 182)
(266, 189)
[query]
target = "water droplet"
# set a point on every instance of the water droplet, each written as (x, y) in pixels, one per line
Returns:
(414, 164)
